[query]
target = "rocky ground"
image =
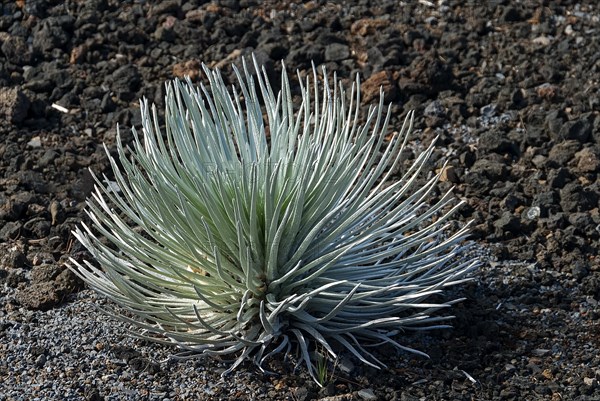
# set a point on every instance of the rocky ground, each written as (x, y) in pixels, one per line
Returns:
(512, 88)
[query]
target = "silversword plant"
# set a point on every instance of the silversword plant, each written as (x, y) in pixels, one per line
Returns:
(252, 227)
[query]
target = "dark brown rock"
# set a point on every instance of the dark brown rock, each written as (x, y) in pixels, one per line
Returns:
(15, 48)
(578, 130)
(14, 259)
(587, 160)
(41, 296)
(13, 105)
(574, 197)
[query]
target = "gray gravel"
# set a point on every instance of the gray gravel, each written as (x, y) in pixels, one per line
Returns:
(75, 352)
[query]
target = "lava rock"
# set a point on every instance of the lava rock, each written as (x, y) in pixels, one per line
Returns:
(554, 123)
(303, 394)
(125, 81)
(575, 198)
(546, 201)
(50, 34)
(578, 130)
(587, 160)
(15, 49)
(367, 394)
(562, 153)
(11, 230)
(172, 7)
(14, 259)
(303, 55)
(508, 222)
(557, 178)
(336, 52)
(495, 141)
(44, 273)
(371, 88)
(14, 105)
(40, 296)
(484, 173)
(46, 294)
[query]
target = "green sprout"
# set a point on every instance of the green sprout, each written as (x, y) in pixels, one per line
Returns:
(251, 224)
(324, 374)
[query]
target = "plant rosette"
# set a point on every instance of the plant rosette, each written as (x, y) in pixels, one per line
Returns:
(250, 225)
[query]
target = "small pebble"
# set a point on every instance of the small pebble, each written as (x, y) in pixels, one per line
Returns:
(367, 394)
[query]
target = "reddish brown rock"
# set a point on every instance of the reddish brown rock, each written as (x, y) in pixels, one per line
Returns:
(370, 89)
(189, 68)
(368, 26)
